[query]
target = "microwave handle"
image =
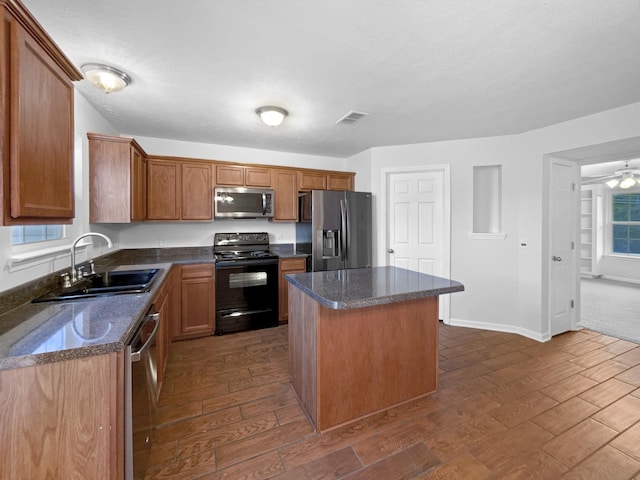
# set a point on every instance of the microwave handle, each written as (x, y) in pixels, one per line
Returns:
(264, 203)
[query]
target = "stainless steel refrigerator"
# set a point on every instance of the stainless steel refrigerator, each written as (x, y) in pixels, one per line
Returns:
(334, 229)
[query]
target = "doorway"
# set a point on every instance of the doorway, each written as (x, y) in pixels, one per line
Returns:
(592, 155)
(417, 217)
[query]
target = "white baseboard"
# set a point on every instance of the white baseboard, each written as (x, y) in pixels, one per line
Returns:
(498, 327)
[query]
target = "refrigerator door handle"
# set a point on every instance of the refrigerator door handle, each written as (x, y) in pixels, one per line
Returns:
(344, 229)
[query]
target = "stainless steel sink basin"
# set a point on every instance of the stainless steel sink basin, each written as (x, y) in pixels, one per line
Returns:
(113, 282)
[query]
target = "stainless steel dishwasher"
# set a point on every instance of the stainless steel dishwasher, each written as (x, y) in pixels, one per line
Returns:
(141, 394)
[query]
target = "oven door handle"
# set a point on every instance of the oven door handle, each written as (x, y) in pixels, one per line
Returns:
(244, 312)
(152, 317)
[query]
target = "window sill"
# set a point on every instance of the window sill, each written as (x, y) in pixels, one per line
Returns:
(20, 261)
(487, 236)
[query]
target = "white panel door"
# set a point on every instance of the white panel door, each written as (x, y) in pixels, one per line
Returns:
(563, 262)
(417, 225)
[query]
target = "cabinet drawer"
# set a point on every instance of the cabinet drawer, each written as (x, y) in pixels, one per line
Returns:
(293, 264)
(197, 271)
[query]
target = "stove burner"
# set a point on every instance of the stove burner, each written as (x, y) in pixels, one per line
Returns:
(230, 247)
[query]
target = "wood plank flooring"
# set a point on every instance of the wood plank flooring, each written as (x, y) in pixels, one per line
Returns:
(507, 408)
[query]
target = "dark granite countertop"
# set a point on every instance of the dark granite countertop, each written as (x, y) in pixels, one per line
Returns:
(366, 287)
(36, 333)
(286, 250)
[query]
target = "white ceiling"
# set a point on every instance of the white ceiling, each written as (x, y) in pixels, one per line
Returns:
(424, 70)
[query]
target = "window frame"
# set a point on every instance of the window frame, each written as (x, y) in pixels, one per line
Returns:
(610, 223)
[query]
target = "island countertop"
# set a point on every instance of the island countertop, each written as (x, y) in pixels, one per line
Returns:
(365, 287)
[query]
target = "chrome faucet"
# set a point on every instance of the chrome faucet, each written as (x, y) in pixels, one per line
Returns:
(74, 272)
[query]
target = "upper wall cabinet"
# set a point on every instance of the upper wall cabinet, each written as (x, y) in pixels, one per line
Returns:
(117, 180)
(241, 176)
(179, 190)
(36, 122)
(319, 180)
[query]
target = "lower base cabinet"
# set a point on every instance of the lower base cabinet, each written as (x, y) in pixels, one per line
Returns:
(167, 304)
(286, 266)
(198, 303)
(63, 419)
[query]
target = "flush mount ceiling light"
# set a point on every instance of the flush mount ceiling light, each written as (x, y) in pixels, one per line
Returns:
(107, 79)
(272, 116)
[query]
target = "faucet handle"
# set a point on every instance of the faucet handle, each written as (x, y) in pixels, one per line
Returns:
(66, 282)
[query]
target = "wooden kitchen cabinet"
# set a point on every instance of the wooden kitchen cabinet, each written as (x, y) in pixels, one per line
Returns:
(164, 189)
(340, 181)
(243, 176)
(179, 190)
(286, 195)
(198, 302)
(286, 266)
(64, 419)
(312, 180)
(117, 179)
(197, 200)
(319, 180)
(36, 122)
(167, 304)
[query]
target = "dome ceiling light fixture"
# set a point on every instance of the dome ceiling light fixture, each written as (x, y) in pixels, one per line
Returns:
(272, 116)
(106, 78)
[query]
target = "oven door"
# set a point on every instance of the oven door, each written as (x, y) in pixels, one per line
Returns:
(246, 295)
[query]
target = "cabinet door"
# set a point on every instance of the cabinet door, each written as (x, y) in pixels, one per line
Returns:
(340, 181)
(197, 203)
(312, 181)
(163, 190)
(257, 177)
(198, 313)
(287, 265)
(286, 193)
(230, 175)
(41, 132)
(138, 185)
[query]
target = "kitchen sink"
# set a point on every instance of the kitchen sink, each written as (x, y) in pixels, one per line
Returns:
(113, 282)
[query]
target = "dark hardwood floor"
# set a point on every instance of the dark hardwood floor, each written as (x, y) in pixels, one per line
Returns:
(507, 408)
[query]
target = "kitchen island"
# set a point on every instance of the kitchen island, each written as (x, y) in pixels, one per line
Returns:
(362, 340)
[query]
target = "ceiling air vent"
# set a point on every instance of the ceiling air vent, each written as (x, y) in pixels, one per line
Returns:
(351, 118)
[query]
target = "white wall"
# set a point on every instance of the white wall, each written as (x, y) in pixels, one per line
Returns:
(505, 282)
(86, 119)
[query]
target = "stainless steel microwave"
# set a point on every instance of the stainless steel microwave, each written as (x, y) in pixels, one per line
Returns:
(240, 202)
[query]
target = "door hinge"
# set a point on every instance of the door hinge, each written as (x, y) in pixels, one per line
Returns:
(573, 245)
(573, 304)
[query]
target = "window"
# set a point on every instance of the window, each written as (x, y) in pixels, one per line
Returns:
(626, 224)
(35, 233)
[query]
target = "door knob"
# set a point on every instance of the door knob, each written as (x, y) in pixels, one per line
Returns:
(556, 258)
(390, 250)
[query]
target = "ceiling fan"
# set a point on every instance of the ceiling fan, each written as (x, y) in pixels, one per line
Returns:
(624, 178)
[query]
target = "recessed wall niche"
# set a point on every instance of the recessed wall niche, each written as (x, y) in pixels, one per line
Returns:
(487, 199)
